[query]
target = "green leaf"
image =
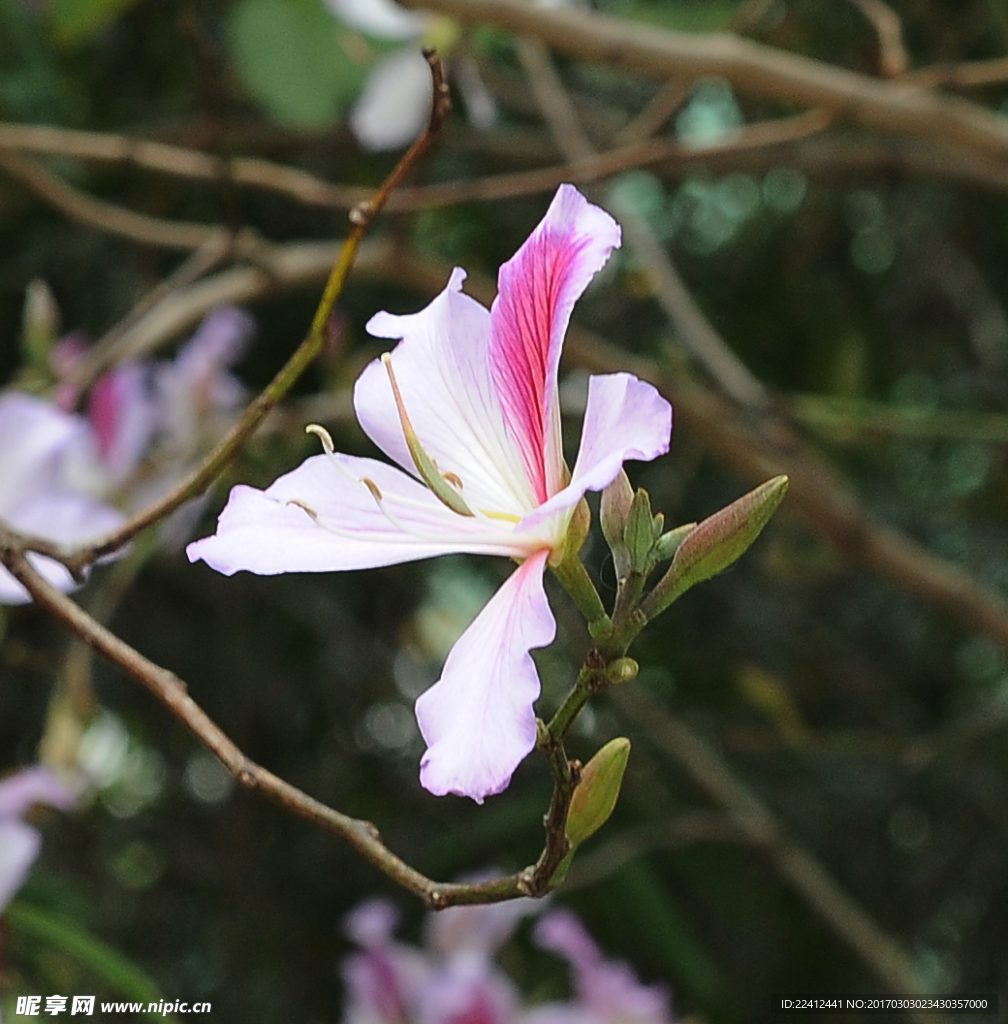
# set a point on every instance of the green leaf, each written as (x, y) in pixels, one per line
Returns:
(77, 21)
(290, 55)
(104, 962)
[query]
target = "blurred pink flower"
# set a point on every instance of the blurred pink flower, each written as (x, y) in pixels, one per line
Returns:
(39, 496)
(474, 393)
(607, 991)
(454, 978)
(19, 841)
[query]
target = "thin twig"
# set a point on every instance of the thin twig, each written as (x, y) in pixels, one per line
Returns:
(81, 207)
(893, 59)
(172, 692)
(965, 75)
(752, 68)
(106, 351)
(294, 183)
(204, 474)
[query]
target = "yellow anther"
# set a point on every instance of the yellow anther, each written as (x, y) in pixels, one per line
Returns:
(323, 435)
(372, 487)
(304, 508)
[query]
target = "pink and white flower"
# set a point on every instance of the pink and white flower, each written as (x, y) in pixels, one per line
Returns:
(608, 991)
(467, 405)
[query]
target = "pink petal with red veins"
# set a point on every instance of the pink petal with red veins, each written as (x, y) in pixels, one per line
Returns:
(443, 375)
(477, 719)
(537, 291)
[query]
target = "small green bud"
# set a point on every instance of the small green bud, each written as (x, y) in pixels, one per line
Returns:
(668, 543)
(657, 525)
(577, 529)
(639, 533)
(39, 325)
(596, 794)
(716, 543)
(622, 670)
(613, 514)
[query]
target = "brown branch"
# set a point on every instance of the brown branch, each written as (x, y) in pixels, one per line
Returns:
(897, 107)
(108, 349)
(172, 692)
(204, 474)
(973, 73)
(893, 60)
(105, 216)
(635, 153)
(179, 161)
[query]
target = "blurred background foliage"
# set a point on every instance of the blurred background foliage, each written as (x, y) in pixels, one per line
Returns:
(867, 295)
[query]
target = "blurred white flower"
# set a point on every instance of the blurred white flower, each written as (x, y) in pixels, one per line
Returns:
(394, 103)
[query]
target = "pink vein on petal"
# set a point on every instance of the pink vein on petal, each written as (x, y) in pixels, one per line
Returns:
(537, 290)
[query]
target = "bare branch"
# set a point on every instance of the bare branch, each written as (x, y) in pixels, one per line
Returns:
(893, 60)
(139, 227)
(204, 474)
(896, 107)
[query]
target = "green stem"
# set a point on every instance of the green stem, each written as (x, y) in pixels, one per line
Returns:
(589, 680)
(574, 578)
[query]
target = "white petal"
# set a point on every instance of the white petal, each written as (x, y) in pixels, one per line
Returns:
(443, 373)
(478, 720)
(380, 18)
(63, 517)
(24, 789)
(625, 418)
(19, 846)
(33, 434)
(321, 518)
(394, 103)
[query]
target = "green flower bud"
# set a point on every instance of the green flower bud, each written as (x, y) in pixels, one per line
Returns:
(639, 533)
(39, 325)
(613, 514)
(716, 543)
(622, 670)
(596, 794)
(668, 543)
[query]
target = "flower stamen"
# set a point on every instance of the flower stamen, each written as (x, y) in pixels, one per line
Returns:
(439, 483)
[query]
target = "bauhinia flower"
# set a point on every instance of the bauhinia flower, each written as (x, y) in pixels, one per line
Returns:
(467, 405)
(454, 978)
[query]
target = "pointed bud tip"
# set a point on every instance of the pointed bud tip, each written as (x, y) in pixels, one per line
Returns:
(596, 794)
